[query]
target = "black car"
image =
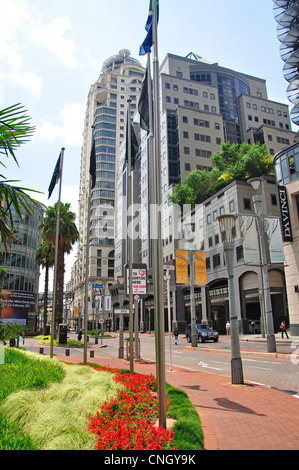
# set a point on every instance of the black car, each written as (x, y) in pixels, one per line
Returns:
(204, 332)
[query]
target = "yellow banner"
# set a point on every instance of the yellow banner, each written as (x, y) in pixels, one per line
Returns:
(181, 266)
(200, 268)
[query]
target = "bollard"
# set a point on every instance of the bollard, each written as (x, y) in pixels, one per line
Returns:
(91, 353)
(67, 352)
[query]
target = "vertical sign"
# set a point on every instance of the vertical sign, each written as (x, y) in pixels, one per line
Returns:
(200, 268)
(285, 219)
(181, 265)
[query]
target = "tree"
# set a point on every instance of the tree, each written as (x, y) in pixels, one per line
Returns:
(68, 235)
(234, 162)
(15, 130)
(242, 161)
(44, 256)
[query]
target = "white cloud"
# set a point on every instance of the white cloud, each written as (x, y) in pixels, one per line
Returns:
(68, 128)
(52, 37)
(24, 33)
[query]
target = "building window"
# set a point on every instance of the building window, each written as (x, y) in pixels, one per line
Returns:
(247, 204)
(216, 261)
(239, 252)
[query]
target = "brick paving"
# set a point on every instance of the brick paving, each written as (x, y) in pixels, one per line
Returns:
(233, 417)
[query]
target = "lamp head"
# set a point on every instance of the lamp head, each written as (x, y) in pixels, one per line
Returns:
(227, 226)
(255, 182)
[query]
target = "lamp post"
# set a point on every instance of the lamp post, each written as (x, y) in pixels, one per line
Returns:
(258, 209)
(227, 228)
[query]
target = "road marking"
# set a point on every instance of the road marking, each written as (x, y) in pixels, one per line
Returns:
(262, 368)
(206, 366)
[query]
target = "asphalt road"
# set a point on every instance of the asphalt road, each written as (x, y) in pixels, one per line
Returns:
(214, 358)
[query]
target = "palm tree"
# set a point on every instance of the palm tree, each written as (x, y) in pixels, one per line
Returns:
(68, 235)
(44, 256)
(15, 130)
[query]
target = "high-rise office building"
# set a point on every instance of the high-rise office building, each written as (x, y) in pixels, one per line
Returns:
(202, 106)
(120, 80)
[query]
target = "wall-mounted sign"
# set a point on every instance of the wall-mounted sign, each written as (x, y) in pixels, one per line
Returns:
(285, 219)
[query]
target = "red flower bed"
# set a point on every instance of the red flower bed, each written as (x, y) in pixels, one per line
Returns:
(126, 422)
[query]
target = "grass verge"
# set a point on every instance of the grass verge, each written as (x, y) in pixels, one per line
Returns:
(50, 402)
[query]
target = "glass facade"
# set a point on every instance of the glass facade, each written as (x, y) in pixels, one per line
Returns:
(229, 89)
(20, 260)
(287, 165)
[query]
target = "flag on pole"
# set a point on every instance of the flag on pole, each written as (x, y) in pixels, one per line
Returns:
(56, 176)
(134, 144)
(92, 165)
(143, 104)
(148, 42)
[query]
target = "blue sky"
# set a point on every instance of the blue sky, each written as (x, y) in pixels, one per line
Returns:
(51, 52)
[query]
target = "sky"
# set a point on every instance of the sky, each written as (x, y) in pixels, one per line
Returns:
(52, 52)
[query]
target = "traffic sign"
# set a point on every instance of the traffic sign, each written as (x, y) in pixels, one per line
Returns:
(101, 321)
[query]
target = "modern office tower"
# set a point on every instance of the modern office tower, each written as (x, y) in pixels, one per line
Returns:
(120, 80)
(202, 106)
(20, 288)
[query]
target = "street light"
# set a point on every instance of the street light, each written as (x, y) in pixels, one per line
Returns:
(258, 209)
(227, 228)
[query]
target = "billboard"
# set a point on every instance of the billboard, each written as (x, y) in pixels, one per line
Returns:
(19, 307)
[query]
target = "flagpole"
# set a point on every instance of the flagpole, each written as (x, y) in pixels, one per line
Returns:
(56, 255)
(87, 262)
(129, 236)
(157, 241)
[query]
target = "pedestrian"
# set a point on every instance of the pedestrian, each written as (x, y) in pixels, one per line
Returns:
(80, 335)
(227, 327)
(283, 329)
(252, 324)
(176, 335)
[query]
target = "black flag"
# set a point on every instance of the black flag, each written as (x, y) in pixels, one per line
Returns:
(55, 177)
(143, 104)
(134, 144)
(92, 165)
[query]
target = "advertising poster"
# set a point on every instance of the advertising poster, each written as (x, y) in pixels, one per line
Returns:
(139, 286)
(19, 307)
(250, 239)
(181, 266)
(200, 268)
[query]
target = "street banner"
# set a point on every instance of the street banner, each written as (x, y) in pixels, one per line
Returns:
(181, 265)
(200, 268)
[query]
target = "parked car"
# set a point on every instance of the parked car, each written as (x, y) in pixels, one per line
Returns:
(204, 332)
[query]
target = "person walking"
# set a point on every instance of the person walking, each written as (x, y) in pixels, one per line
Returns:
(227, 327)
(252, 324)
(283, 329)
(176, 335)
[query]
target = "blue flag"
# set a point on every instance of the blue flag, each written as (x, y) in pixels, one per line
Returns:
(148, 42)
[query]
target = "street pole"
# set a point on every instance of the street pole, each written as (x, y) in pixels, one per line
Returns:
(236, 362)
(192, 301)
(169, 316)
(130, 237)
(258, 208)
(157, 242)
(227, 226)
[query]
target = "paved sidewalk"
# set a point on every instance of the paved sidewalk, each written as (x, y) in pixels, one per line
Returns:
(233, 417)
